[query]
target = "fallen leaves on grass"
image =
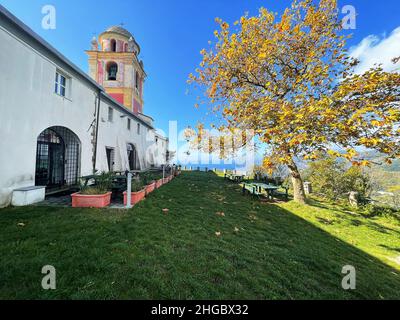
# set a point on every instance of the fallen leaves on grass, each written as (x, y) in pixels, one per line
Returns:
(21, 224)
(252, 217)
(221, 214)
(218, 234)
(236, 229)
(165, 210)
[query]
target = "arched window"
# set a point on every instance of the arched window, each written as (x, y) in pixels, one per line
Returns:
(112, 70)
(126, 47)
(113, 45)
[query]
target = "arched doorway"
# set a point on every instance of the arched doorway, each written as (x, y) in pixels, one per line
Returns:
(133, 157)
(57, 158)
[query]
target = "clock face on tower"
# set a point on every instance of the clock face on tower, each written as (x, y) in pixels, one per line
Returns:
(114, 64)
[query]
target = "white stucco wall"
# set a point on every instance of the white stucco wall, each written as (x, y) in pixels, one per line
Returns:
(116, 135)
(28, 105)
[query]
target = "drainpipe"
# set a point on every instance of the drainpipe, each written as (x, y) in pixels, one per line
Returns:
(97, 131)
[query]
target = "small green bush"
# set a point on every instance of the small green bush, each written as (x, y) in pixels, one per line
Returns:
(373, 210)
(335, 179)
(137, 185)
(150, 177)
(102, 184)
(104, 181)
(92, 190)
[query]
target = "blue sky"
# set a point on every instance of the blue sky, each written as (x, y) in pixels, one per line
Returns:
(171, 35)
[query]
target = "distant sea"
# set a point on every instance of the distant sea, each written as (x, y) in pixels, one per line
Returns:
(221, 166)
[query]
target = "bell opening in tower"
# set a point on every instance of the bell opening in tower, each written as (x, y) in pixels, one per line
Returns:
(112, 70)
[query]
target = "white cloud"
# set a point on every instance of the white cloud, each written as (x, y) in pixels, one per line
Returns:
(374, 49)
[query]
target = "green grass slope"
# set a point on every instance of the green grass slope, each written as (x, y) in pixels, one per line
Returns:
(263, 251)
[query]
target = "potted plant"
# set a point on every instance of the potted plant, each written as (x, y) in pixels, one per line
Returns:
(138, 192)
(153, 177)
(97, 195)
(159, 182)
(150, 183)
(165, 180)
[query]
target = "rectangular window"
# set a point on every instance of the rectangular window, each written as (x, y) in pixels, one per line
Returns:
(110, 114)
(60, 84)
(138, 128)
(129, 124)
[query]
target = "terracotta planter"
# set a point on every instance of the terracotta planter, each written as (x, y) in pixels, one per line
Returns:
(150, 188)
(135, 197)
(159, 183)
(91, 201)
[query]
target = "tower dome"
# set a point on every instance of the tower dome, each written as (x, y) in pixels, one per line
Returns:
(119, 30)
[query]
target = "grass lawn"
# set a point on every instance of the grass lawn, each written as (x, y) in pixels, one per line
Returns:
(278, 251)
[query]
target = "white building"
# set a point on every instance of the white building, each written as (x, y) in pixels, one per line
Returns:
(58, 124)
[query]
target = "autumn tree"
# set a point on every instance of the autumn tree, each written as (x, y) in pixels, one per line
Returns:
(291, 81)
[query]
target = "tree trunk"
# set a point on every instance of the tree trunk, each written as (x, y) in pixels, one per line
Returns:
(297, 181)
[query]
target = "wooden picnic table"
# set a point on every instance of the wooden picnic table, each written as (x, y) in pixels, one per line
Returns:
(238, 177)
(269, 188)
(235, 177)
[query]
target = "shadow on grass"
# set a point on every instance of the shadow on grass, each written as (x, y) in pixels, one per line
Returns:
(397, 249)
(253, 251)
(360, 219)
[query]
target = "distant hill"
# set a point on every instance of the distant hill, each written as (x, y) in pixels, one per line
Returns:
(376, 157)
(384, 176)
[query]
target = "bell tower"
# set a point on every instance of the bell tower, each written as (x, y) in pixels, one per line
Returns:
(114, 64)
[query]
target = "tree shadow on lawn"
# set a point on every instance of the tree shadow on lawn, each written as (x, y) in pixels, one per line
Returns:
(147, 254)
(326, 255)
(396, 249)
(359, 219)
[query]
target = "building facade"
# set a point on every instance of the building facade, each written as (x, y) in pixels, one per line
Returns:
(57, 123)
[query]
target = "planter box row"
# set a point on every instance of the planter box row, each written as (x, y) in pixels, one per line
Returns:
(104, 200)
